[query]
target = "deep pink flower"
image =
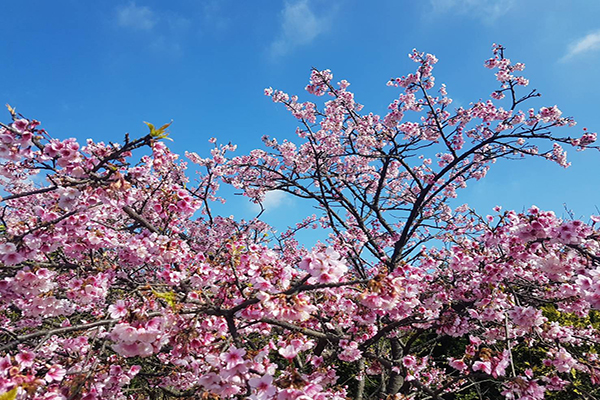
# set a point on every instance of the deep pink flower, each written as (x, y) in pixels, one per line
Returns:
(25, 358)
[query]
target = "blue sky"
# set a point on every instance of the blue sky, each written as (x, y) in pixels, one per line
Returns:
(98, 69)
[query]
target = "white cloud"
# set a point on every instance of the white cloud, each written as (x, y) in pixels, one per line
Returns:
(214, 18)
(589, 43)
(136, 18)
(165, 46)
(177, 23)
(167, 39)
(299, 26)
(486, 10)
(272, 200)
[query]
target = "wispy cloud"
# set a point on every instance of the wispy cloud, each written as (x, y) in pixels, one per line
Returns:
(146, 22)
(485, 10)
(214, 17)
(136, 18)
(586, 44)
(163, 45)
(272, 200)
(299, 26)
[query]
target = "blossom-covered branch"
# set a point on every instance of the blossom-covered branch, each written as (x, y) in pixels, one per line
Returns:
(117, 280)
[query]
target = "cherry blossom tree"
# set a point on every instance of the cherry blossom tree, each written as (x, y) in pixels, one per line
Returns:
(118, 281)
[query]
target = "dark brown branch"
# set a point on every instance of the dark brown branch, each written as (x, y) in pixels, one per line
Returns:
(138, 218)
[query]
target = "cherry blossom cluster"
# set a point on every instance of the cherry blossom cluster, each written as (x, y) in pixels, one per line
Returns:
(117, 280)
(324, 266)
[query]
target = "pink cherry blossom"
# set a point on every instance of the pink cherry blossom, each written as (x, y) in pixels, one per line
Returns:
(120, 278)
(118, 310)
(25, 359)
(55, 373)
(233, 357)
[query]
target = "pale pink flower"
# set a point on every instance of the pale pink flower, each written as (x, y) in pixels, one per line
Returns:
(288, 352)
(5, 363)
(118, 310)
(563, 361)
(233, 357)
(264, 386)
(56, 373)
(9, 254)
(457, 364)
(483, 366)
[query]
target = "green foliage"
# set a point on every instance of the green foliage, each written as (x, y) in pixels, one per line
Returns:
(160, 133)
(571, 319)
(10, 395)
(169, 297)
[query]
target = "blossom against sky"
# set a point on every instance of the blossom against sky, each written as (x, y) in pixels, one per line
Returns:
(99, 69)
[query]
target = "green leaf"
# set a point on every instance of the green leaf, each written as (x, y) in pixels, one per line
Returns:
(160, 133)
(152, 130)
(165, 126)
(13, 113)
(169, 297)
(12, 395)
